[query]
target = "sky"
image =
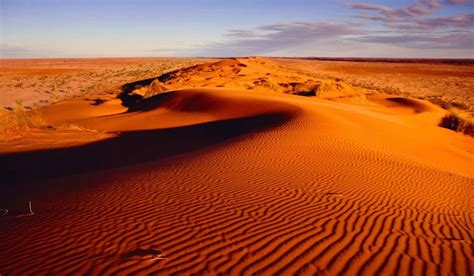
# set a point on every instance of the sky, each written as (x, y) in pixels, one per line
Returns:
(329, 28)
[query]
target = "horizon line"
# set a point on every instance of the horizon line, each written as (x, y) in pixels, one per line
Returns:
(335, 58)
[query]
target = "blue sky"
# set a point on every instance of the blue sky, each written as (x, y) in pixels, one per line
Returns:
(104, 28)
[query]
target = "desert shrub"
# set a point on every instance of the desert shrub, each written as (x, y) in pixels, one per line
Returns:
(440, 102)
(306, 93)
(18, 119)
(460, 105)
(451, 122)
(456, 122)
(449, 104)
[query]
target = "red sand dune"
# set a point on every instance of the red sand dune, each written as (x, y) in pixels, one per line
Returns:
(237, 182)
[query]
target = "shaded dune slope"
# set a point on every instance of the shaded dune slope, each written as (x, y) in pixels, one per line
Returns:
(416, 105)
(312, 187)
(20, 170)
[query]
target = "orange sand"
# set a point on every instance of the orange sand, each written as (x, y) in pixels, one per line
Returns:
(233, 181)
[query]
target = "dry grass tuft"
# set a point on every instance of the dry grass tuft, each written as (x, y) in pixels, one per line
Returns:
(79, 128)
(19, 119)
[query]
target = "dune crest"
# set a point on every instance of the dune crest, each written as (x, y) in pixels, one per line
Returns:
(252, 74)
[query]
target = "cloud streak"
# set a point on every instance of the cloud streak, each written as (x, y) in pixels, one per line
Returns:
(7, 48)
(410, 27)
(389, 14)
(270, 38)
(447, 41)
(415, 27)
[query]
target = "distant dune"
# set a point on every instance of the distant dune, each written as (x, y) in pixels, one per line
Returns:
(242, 166)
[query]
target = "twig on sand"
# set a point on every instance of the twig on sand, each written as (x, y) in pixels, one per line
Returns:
(150, 254)
(160, 256)
(30, 208)
(30, 211)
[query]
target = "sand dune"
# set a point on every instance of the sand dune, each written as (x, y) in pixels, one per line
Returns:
(245, 182)
(252, 74)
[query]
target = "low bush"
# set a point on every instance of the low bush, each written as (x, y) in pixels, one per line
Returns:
(456, 122)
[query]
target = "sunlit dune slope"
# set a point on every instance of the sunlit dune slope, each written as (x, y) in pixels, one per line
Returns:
(246, 181)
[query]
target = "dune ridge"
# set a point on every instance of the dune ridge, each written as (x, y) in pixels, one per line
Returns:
(317, 187)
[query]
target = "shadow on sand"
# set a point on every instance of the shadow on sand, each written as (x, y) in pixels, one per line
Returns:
(22, 173)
